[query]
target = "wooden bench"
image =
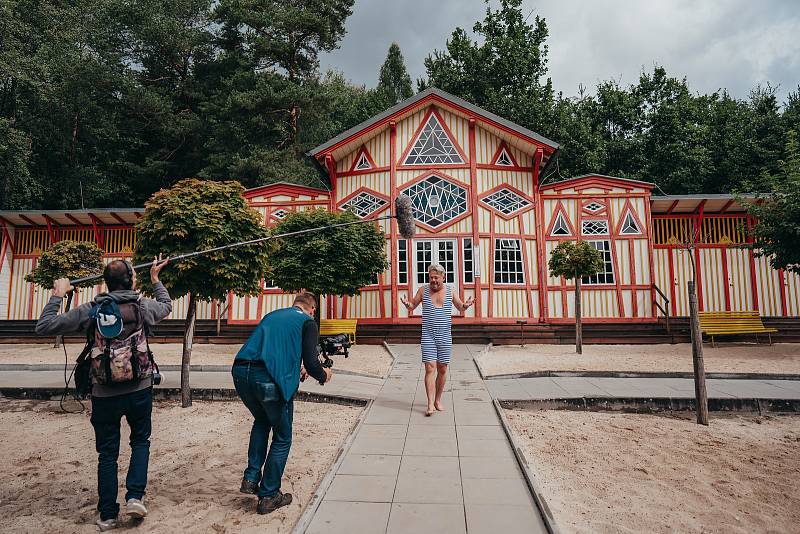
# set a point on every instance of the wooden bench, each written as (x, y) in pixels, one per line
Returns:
(331, 327)
(730, 323)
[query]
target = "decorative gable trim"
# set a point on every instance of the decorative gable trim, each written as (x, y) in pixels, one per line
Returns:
(362, 156)
(504, 157)
(627, 211)
(560, 214)
(432, 115)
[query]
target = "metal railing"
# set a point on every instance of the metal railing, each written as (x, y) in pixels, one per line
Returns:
(663, 309)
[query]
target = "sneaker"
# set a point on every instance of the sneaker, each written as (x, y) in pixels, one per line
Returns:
(267, 505)
(135, 508)
(106, 524)
(248, 486)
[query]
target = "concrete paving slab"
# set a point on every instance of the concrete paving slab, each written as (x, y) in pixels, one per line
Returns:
(431, 431)
(487, 467)
(494, 519)
(444, 467)
(405, 518)
(383, 431)
(341, 517)
(370, 464)
(361, 488)
(481, 432)
(432, 490)
(494, 448)
(368, 445)
(507, 491)
(431, 447)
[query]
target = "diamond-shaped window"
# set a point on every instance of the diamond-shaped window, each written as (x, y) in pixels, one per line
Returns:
(506, 201)
(593, 207)
(280, 214)
(364, 204)
(437, 201)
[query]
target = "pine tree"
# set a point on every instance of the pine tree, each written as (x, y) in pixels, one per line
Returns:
(394, 82)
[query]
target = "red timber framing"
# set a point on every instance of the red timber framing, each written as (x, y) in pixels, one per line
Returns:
(606, 191)
(667, 236)
(476, 238)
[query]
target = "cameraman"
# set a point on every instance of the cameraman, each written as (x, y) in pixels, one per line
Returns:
(266, 374)
(111, 402)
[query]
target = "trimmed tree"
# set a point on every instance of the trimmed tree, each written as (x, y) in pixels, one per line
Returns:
(197, 215)
(575, 261)
(67, 259)
(337, 261)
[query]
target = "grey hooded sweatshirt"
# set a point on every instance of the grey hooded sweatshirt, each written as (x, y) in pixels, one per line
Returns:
(77, 321)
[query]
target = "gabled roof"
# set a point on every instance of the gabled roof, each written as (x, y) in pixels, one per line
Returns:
(281, 187)
(600, 179)
(431, 93)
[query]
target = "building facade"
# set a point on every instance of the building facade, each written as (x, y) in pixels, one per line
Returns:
(484, 210)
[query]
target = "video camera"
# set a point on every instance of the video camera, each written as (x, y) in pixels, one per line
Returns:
(330, 345)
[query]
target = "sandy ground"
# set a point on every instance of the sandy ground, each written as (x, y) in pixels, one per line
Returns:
(602, 472)
(733, 358)
(372, 360)
(48, 467)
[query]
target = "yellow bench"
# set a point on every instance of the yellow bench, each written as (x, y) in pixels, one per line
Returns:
(331, 327)
(728, 323)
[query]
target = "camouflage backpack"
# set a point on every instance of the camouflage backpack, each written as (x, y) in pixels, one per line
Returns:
(119, 352)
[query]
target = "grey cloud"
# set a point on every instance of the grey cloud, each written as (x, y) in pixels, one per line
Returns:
(732, 44)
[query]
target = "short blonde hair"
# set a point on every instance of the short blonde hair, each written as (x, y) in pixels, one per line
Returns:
(437, 268)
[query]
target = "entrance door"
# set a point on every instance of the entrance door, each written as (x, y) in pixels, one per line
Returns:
(442, 251)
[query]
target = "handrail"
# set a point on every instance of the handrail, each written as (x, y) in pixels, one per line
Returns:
(664, 309)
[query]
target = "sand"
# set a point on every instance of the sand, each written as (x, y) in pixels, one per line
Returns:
(602, 472)
(733, 358)
(48, 467)
(371, 360)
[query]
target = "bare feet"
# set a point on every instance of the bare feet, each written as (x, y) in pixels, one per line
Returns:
(438, 406)
(429, 411)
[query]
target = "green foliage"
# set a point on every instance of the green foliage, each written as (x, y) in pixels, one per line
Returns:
(575, 260)
(777, 232)
(337, 261)
(67, 259)
(197, 215)
(394, 82)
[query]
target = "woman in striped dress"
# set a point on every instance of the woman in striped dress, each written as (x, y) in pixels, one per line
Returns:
(437, 300)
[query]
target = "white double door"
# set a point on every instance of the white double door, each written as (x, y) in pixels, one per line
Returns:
(441, 251)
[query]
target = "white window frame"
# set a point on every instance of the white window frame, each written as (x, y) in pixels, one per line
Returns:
(503, 263)
(402, 264)
(595, 221)
(608, 264)
(467, 264)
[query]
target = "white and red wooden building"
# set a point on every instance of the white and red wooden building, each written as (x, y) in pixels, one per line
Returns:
(485, 210)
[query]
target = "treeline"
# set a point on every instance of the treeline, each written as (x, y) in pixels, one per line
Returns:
(103, 102)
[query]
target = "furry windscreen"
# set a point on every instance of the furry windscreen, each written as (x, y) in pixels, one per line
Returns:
(405, 216)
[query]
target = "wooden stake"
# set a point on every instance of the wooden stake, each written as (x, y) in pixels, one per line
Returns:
(188, 336)
(701, 397)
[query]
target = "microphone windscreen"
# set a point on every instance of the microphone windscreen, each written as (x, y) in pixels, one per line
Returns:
(405, 216)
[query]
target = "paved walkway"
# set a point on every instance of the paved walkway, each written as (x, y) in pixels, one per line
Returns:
(674, 388)
(453, 472)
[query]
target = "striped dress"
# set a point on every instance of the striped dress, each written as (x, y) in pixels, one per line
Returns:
(437, 339)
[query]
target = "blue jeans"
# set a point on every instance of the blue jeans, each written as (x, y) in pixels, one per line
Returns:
(137, 407)
(270, 413)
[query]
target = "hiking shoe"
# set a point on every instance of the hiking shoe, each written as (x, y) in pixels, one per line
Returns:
(135, 508)
(248, 486)
(106, 524)
(267, 505)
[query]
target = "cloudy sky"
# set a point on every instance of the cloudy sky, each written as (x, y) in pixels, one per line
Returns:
(733, 44)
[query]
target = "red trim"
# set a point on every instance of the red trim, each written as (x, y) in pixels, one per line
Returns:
(513, 215)
(727, 205)
(648, 217)
(601, 211)
(450, 179)
(504, 146)
(376, 170)
(29, 221)
(444, 102)
(752, 262)
(782, 285)
(486, 166)
(3, 252)
(525, 266)
(9, 241)
(473, 180)
(76, 221)
(596, 181)
(284, 189)
(372, 192)
(672, 207)
(415, 137)
(672, 282)
(55, 235)
(393, 226)
(98, 236)
(30, 291)
(372, 166)
(381, 300)
(698, 274)
(559, 209)
(541, 261)
(626, 209)
(490, 257)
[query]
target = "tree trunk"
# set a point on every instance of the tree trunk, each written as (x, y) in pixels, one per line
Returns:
(578, 322)
(188, 336)
(219, 318)
(701, 398)
(318, 311)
